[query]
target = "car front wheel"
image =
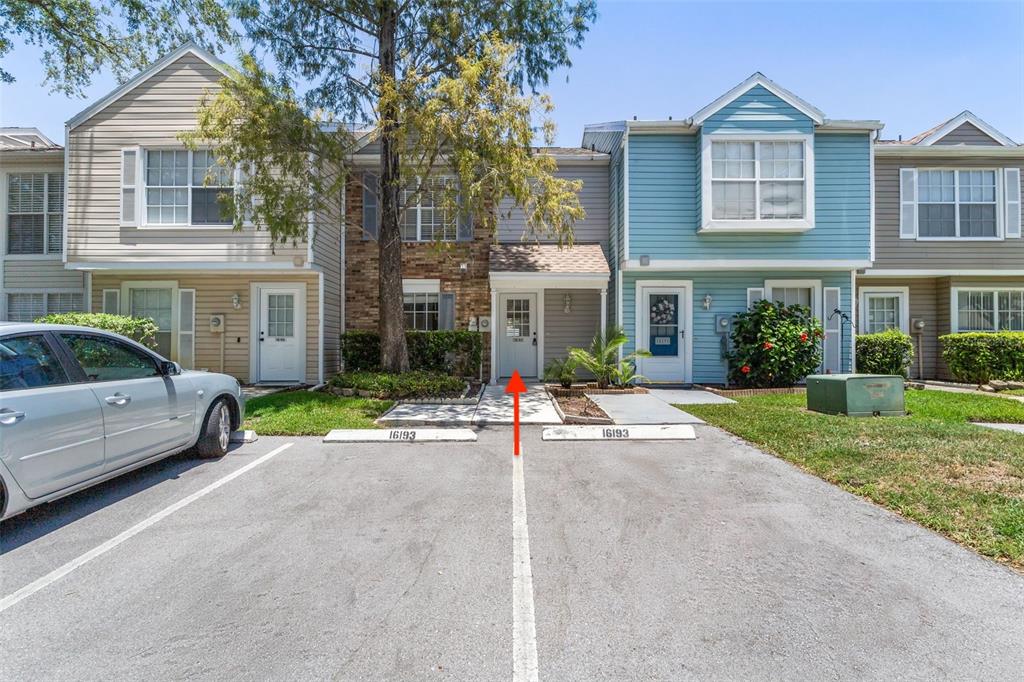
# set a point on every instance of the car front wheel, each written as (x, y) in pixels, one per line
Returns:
(216, 433)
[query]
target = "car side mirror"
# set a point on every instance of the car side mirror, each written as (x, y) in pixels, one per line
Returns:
(169, 369)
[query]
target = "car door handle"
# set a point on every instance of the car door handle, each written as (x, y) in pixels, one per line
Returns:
(119, 399)
(8, 416)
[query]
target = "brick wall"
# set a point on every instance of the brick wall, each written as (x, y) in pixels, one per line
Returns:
(419, 261)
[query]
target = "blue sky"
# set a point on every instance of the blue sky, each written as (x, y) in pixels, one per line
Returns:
(912, 65)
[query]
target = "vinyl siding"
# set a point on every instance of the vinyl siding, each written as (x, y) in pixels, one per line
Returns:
(40, 274)
(758, 111)
(908, 254)
(213, 296)
(577, 328)
(150, 115)
(664, 204)
(967, 133)
(729, 293)
(327, 245)
(594, 198)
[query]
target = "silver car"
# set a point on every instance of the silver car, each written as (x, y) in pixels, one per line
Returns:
(79, 406)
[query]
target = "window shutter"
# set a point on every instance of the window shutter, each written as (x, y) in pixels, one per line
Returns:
(1013, 203)
(186, 327)
(112, 301)
(833, 353)
(129, 168)
(25, 307)
(465, 228)
(371, 218)
(754, 295)
(908, 203)
(446, 311)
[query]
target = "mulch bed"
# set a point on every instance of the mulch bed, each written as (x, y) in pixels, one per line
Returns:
(580, 406)
(579, 390)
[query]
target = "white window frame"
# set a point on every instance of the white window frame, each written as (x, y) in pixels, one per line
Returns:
(126, 303)
(758, 225)
(1000, 204)
(141, 221)
(954, 306)
(422, 286)
(46, 254)
(46, 298)
(817, 298)
(419, 216)
(879, 291)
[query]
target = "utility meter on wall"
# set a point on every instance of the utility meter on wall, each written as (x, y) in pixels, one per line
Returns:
(483, 324)
(217, 324)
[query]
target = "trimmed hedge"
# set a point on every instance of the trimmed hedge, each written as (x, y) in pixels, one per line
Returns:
(978, 357)
(888, 352)
(415, 384)
(141, 329)
(455, 352)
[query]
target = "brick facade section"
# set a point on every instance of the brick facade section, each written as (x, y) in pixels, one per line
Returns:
(419, 261)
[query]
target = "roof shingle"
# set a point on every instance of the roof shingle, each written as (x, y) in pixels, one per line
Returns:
(579, 258)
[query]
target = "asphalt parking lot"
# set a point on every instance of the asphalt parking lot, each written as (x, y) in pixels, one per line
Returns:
(699, 559)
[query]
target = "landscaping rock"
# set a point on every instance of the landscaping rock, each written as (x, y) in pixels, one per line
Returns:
(348, 392)
(999, 384)
(988, 389)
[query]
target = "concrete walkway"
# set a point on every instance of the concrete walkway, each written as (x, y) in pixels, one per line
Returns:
(495, 407)
(1015, 428)
(656, 406)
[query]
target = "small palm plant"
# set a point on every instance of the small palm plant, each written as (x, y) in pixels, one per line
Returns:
(562, 370)
(602, 358)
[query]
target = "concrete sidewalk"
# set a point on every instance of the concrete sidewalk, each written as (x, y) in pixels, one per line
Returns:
(656, 406)
(495, 407)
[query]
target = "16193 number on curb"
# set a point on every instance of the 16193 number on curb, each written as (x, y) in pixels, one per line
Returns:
(615, 433)
(401, 435)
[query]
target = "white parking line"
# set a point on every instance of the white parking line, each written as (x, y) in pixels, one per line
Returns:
(56, 574)
(524, 628)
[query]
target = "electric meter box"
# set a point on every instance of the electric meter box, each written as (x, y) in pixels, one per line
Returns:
(856, 395)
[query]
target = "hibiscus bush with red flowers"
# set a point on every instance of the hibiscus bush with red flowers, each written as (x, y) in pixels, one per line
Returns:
(774, 345)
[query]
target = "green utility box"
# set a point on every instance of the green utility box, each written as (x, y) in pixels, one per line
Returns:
(856, 395)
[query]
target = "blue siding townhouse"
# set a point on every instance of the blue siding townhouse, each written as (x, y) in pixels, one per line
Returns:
(757, 195)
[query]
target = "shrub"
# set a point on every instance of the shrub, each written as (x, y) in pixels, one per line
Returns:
(602, 358)
(774, 345)
(562, 370)
(888, 352)
(977, 357)
(141, 329)
(457, 352)
(414, 384)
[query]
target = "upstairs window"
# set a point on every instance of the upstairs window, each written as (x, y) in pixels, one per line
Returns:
(180, 188)
(425, 218)
(757, 184)
(957, 203)
(35, 213)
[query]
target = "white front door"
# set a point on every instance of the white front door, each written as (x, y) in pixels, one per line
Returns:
(281, 339)
(517, 334)
(661, 329)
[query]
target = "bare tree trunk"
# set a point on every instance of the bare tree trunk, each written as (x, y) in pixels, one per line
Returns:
(394, 356)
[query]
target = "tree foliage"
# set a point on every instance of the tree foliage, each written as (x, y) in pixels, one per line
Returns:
(448, 87)
(81, 37)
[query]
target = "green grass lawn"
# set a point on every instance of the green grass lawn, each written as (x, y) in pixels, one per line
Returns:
(301, 413)
(933, 466)
(1014, 391)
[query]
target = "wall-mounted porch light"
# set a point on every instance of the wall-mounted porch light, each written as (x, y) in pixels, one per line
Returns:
(236, 301)
(708, 301)
(567, 300)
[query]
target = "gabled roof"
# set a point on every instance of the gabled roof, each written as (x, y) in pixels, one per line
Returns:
(930, 137)
(154, 68)
(25, 139)
(771, 86)
(578, 259)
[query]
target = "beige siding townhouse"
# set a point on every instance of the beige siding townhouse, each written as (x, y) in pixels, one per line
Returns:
(33, 280)
(150, 239)
(948, 252)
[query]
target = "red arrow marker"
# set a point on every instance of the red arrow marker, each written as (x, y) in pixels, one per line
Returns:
(515, 387)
